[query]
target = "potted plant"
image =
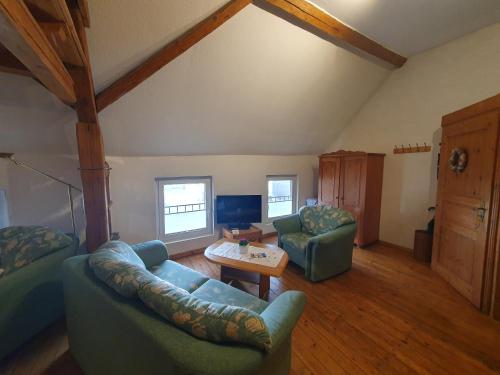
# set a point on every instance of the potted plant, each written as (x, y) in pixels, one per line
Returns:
(243, 245)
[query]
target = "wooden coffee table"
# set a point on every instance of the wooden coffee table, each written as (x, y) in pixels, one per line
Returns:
(233, 269)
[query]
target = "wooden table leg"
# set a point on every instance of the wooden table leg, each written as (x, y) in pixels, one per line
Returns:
(223, 277)
(264, 284)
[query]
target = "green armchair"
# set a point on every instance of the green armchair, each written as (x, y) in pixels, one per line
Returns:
(320, 239)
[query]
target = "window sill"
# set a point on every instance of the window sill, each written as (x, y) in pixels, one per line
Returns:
(201, 237)
(176, 248)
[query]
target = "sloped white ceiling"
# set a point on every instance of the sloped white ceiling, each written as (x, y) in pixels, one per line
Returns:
(257, 85)
(412, 26)
(32, 120)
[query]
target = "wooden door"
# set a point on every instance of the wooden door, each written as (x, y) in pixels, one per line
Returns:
(351, 198)
(463, 207)
(329, 181)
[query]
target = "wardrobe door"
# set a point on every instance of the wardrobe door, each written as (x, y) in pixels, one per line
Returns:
(351, 198)
(329, 181)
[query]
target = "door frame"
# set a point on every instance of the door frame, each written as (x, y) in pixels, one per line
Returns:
(490, 299)
(491, 295)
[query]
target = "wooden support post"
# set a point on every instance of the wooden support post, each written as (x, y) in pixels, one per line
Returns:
(92, 163)
(90, 150)
(93, 173)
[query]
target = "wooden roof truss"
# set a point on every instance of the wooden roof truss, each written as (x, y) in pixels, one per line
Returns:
(45, 40)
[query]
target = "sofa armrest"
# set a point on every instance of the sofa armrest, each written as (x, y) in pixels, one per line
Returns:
(282, 315)
(151, 252)
(329, 251)
(289, 224)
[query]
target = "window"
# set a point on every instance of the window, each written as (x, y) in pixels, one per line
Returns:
(281, 196)
(185, 208)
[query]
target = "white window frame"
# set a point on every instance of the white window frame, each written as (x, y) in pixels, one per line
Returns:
(160, 208)
(295, 194)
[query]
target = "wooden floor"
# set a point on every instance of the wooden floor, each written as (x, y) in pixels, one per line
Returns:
(388, 315)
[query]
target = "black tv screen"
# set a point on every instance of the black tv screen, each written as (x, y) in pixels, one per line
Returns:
(238, 210)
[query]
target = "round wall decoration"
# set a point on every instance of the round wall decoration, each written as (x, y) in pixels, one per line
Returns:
(458, 160)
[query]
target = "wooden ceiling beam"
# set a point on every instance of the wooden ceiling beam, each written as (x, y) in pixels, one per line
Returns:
(23, 37)
(61, 32)
(83, 6)
(304, 14)
(168, 53)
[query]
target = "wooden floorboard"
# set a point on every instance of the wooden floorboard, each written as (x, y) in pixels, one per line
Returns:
(388, 315)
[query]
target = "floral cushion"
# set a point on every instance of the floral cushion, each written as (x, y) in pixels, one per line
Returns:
(19, 246)
(322, 219)
(206, 320)
(120, 267)
(297, 240)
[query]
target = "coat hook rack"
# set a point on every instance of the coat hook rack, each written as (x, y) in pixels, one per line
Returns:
(402, 149)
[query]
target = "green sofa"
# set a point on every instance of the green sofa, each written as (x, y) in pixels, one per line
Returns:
(110, 334)
(320, 239)
(32, 298)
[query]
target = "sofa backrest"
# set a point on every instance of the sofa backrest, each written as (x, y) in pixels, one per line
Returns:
(22, 245)
(322, 219)
(117, 264)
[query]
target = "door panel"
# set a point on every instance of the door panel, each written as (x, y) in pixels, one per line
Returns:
(329, 181)
(460, 236)
(458, 255)
(352, 174)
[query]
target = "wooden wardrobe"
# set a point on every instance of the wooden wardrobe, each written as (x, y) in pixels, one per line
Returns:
(466, 235)
(353, 181)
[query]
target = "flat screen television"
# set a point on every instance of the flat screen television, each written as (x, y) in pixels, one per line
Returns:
(238, 211)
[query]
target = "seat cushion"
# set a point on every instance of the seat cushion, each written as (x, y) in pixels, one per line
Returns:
(322, 219)
(119, 267)
(217, 291)
(179, 275)
(296, 241)
(20, 246)
(206, 320)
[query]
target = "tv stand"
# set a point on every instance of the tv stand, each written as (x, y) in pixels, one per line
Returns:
(252, 234)
(239, 226)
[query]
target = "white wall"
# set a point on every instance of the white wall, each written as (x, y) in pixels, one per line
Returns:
(36, 200)
(408, 109)
(133, 188)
